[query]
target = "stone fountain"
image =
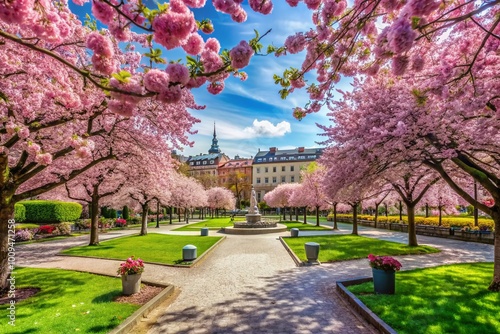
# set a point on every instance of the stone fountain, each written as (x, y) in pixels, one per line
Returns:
(254, 223)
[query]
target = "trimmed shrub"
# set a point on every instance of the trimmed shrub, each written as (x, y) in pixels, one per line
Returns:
(39, 211)
(82, 224)
(120, 222)
(19, 212)
(125, 213)
(23, 235)
(111, 214)
(20, 227)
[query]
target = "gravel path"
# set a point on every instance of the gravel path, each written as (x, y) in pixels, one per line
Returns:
(249, 284)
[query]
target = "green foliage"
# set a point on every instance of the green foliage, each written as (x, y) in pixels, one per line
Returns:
(349, 247)
(125, 212)
(68, 302)
(26, 226)
(111, 213)
(41, 212)
(90, 22)
(63, 228)
(123, 76)
(255, 43)
(19, 212)
(154, 247)
(155, 56)
(454, 296)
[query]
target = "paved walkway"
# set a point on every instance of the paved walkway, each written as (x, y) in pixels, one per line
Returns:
(249, 284)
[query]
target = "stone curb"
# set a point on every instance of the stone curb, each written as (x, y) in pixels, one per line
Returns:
(361, 308)
(134, 319)
(193, 263)
(294, 257)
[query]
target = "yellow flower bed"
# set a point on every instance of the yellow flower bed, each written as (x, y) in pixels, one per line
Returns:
(434, 221)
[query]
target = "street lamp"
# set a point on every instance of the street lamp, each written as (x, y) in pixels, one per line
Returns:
(157, 213)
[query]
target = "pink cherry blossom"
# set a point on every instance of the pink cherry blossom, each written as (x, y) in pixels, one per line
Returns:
(241, 54)
(178, 73)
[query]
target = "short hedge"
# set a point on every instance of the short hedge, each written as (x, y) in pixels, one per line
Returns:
(43, 212)
(19, 212)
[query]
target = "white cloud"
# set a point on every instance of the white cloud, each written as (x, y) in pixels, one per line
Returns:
(267, 129)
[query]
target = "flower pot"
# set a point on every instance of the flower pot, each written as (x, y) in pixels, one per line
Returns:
(131, 284)
(384, 281)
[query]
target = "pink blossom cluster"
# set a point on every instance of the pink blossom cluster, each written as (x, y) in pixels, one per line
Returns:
(83, 147)
(233, 8)
(131, 267)
(261, 6)
(384, 262)
(103, 57)
(173, 28)
(241, 54)
(168, 84)
(296, 43)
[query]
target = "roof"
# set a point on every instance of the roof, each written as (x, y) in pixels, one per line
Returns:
(204, 157)
(297, 154)
(238, 163)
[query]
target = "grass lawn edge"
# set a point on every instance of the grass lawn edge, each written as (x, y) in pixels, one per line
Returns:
(294, 257)
(187, 265)
(359, 306)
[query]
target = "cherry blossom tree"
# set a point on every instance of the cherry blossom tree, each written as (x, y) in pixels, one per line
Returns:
(279, 197)
(377, 200)
(312, 180)
(220, 198)
(442, 197)
(187, 193)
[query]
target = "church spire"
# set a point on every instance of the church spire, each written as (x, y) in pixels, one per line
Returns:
(215, 146)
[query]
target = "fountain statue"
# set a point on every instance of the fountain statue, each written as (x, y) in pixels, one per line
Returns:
(253, 223)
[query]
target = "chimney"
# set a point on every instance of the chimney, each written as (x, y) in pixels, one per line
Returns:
(272, 149)
(301, 149)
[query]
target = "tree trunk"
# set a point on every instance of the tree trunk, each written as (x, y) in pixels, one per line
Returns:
(495, 284)
(296, 214)
(7, 233)
(440, 214)
(290, 213)
(335, 227)
(376, 215)
(305, 215)
(355, 218)
(426, 210)
(144, 225)
(412, 230)
(476, 211)
(179, 214)
(400, 211)
(170, 213)
(94, 221)
(386, 210)
(317, 215)
(186, 214)
(284, 213)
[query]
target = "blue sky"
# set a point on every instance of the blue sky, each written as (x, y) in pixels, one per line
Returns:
(250, 115)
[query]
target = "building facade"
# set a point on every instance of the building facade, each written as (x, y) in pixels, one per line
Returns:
(204, 167)
(273, 167)
(236, 175)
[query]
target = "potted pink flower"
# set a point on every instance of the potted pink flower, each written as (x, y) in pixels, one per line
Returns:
(131, 271)
(384, 273)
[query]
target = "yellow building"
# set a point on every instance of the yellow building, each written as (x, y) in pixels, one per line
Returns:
(273, 167)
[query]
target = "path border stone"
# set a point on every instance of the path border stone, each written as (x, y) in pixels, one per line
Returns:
(294, 257)
(361, 308)
(145, 309)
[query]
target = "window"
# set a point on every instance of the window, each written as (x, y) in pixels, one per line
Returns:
(266, 180)
(292, 178)
(259, 160)
(283, 179)
(291, 168)
(258, 180)
(258, 170)
(282, 168)
(266, 170)
(274, 179)
(258, 197)
(191, 163)
(211, 162)
(302, 157)
(204, 162)
(274, 169)
(197, 163)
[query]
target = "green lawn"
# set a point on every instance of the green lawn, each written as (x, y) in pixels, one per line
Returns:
(444, 299)
(160, 248)
(302, 226)
(348, 247)
(69, 302)
(212, 224)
